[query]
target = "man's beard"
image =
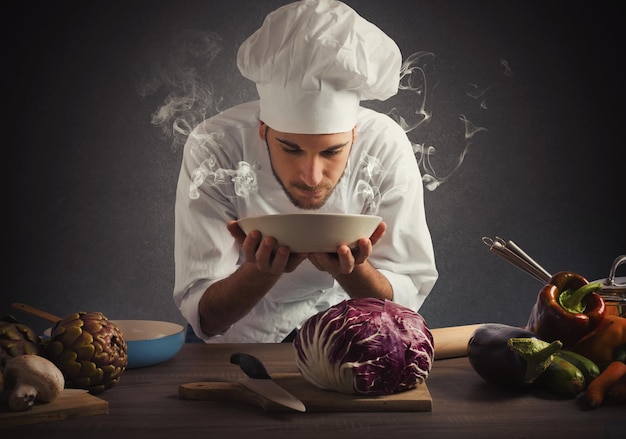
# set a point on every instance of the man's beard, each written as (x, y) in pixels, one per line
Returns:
(294, 200)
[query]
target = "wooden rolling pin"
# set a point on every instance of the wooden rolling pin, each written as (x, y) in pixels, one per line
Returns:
(452, 341)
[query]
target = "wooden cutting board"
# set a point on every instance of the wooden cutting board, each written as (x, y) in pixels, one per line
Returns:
(314, 398)
(70, 404)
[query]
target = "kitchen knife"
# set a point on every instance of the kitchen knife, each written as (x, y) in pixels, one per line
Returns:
(259, 381)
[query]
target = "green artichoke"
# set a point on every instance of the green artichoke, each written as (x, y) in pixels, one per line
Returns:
(89, 349)
(17, 339)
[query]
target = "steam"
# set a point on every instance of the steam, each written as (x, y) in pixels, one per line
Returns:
(243, 179)
(418, 72)
(368, 191)
(181, 69)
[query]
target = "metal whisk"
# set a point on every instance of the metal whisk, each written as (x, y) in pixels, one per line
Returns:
(511, 252)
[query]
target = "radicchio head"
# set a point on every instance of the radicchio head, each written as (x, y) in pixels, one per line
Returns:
(365, 346)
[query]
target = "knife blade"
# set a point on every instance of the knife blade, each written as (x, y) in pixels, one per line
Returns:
(259, 381)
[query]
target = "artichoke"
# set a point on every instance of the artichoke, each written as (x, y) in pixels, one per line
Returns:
(17, 339)
(89, 349)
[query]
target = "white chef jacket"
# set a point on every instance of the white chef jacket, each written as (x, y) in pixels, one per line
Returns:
(226, 175)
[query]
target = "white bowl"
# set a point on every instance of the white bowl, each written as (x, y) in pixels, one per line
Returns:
(312, 232)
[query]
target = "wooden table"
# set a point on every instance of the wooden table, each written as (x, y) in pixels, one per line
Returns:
(145, 404)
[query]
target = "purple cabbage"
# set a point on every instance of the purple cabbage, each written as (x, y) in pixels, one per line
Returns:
(365, 346)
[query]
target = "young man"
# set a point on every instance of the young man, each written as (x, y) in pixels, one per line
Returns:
(305, 146)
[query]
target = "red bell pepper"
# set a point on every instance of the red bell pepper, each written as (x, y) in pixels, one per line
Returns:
(567, 308)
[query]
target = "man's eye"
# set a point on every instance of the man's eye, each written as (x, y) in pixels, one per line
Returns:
(291, 151)
(331, 152)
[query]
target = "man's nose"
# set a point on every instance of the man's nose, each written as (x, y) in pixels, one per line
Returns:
(312, 172)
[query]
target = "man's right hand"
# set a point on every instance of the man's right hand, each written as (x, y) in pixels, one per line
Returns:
(262, 251)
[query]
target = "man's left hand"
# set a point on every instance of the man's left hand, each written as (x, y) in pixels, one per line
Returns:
(344, 261)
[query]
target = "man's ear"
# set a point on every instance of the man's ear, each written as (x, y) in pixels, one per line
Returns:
(262, 128)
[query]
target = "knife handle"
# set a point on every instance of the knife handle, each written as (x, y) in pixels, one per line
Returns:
(251, 365)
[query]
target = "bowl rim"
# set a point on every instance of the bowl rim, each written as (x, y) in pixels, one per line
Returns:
(311, 214)
(173, 329)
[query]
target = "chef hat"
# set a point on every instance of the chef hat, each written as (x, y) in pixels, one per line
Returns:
(313, 61)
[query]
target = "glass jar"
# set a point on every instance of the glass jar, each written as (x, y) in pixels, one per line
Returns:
(614, 289)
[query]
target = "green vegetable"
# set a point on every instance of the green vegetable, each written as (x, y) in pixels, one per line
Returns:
(89, 349)
(589, 369)
(562, 378)
(17, 339)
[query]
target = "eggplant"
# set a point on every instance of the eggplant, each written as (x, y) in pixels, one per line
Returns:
(509, 357)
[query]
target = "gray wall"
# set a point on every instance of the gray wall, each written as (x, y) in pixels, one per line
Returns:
(91, 176)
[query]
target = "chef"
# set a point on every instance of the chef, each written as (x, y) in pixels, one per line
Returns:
(307, 145)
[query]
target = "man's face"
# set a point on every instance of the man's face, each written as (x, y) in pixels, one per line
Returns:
(308, 166)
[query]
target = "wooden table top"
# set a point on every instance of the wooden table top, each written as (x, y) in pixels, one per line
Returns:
(145, 404)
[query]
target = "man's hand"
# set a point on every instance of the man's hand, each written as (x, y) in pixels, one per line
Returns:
(344, 261)
(262, 252)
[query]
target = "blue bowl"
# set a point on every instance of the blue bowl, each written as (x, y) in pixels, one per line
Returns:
(150, 342)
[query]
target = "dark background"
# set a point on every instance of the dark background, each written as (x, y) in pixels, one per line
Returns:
(91, 177)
